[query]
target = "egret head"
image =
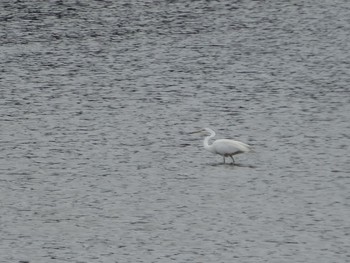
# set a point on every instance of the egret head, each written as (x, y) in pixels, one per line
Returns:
(208, 130)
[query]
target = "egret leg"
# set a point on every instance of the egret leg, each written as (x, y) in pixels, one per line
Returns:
(233, 160)
(224, 159)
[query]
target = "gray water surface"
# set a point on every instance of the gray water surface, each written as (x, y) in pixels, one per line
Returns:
(98, 99)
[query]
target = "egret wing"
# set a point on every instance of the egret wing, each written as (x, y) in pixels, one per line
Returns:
(230, 147)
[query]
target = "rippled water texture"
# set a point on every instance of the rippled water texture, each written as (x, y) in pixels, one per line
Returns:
(98, 99)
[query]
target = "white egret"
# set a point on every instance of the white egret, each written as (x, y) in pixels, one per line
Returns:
(224, 147)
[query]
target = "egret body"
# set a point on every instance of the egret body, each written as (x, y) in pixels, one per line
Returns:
(224, 147)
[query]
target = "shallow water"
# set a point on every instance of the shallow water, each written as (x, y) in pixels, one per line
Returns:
(98, 100)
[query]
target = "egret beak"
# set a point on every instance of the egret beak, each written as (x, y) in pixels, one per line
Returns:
(194, 132)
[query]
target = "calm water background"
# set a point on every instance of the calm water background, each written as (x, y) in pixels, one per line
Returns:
(97, 102)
